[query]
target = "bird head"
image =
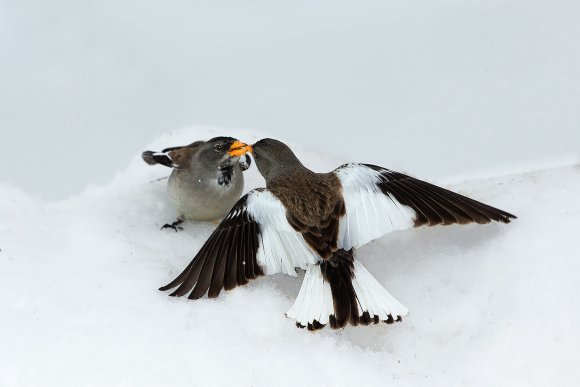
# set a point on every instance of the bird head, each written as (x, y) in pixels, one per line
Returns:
(271, 156)
(223, 152)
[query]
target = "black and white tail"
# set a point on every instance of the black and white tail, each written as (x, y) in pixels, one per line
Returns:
(341, 291)
(153, 158)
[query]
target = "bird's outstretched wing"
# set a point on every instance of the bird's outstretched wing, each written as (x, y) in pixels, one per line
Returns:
(254, 239)
(379, 201)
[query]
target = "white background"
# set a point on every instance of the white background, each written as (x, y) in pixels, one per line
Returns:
(442, 90)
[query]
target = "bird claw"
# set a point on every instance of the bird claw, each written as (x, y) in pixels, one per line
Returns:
(174, 226)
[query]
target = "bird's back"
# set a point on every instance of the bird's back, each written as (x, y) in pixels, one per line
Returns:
(184, 156)
(314, 206)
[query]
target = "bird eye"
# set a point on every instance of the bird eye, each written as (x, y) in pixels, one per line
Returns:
(219, 147)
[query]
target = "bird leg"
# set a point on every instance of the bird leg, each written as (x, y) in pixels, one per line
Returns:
(175, 225)
(160, 179)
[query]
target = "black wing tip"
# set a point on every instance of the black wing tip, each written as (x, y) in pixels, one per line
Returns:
(165, 288)
(178, 293)
(500, 217)
(221, 262)
(510, 216)
(192, 295)
(503, 217)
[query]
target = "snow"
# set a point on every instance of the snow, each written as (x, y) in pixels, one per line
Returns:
(489, 305)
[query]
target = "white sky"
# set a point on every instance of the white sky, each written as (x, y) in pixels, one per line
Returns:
(456, 88)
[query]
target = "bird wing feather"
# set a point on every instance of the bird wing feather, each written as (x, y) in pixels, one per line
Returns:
(254, 239)
(379, 201)
(177, 157)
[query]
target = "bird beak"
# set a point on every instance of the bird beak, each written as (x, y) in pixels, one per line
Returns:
(239, 148)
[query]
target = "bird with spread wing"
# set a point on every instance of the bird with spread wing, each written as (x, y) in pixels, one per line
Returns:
(316, 221)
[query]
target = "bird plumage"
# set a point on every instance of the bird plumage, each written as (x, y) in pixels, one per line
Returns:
(313, 221)
(205, 180)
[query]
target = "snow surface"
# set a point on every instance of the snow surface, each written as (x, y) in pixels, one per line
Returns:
(489, 305)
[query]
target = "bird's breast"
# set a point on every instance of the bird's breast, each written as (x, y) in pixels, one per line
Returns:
(199, 196)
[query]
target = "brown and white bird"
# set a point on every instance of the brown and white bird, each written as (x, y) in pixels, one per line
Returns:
(315, 221)
(207, 177)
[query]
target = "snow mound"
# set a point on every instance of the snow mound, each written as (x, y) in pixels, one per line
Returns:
(489, 305)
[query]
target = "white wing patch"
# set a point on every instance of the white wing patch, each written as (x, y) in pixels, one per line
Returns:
(370, 213)
(281, 247)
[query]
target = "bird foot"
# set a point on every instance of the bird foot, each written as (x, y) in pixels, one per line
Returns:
(174, 226)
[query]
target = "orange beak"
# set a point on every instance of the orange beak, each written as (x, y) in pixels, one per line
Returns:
(239, 148)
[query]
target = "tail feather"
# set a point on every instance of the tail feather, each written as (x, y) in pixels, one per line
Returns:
(148, 157)
(153, 158)
(374, 298)
(339, 272)
(314, 305)
(341, 291)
